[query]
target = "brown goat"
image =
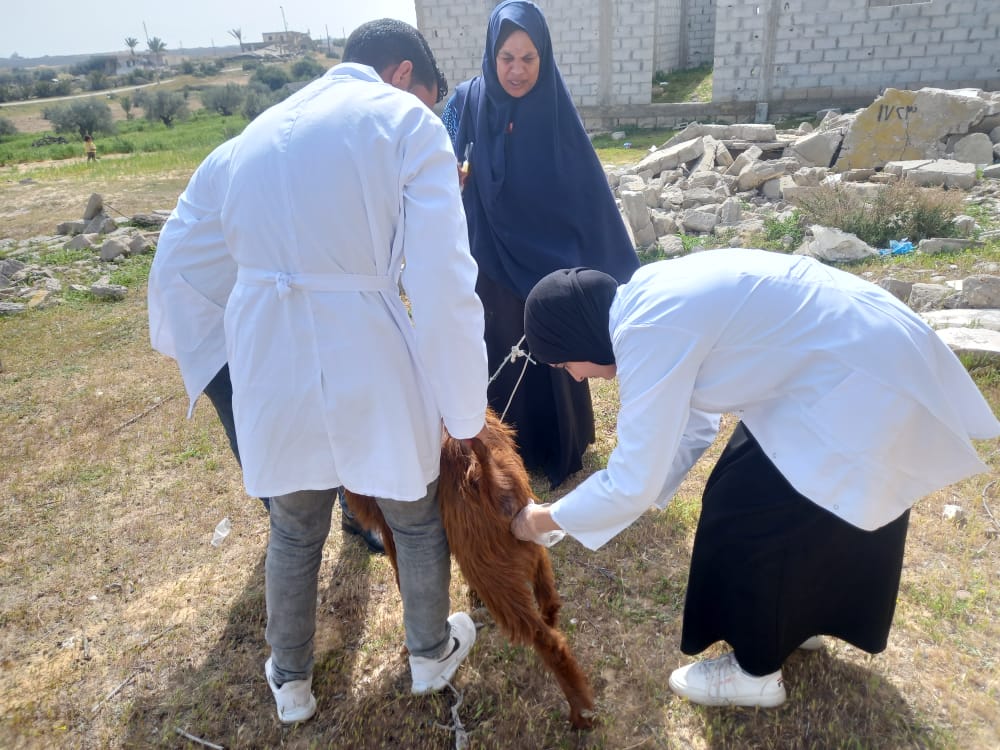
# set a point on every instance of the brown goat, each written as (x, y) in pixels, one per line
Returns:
(482, 487)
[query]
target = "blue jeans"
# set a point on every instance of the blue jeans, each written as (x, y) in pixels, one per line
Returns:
(220, 393)
(300, 523)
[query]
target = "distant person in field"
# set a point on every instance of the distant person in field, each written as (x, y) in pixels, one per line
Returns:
(90, 148)
(851, 408)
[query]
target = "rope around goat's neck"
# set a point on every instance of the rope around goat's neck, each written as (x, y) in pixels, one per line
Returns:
(515, 352)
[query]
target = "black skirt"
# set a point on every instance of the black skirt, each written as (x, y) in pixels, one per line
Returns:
(552, 413)
(770, 568)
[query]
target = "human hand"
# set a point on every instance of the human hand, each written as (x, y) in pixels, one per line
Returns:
(535, 524)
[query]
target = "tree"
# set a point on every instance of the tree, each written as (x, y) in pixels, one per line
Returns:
(156, 49)
(272, 76)
(226, 100)
(126, 102)
(307, 68)
(165, 106)
(237, 34)
(7, 127)
(131, 42)
(82, 117)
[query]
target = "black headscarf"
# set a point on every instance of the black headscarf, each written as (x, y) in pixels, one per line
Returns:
(566, 317)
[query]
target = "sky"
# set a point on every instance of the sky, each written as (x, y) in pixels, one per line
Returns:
(60, 27)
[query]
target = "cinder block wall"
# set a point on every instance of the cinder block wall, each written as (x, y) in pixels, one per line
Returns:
(821, 51)
(768, 50)
(604, 48)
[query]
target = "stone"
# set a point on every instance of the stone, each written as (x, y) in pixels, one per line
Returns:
(139, 245)
(817, 148)
(934, 245)
(953, 512)
(11, 308)
(742, 161)
(975, 148)
(698, 220)
(897, 288)
(670, 157)
(981, 292)
(772, 189)
(730, 212)
(756, 174)
(108, 291)
(81, 242)
(978, 343)
(71, 227)
(962, 318)
(925, 297)
(902, 125)
(946, 172)
(111, 249)
(964, 224)
(992, 173)
(95, 206)
(834, 246)
(671, 245)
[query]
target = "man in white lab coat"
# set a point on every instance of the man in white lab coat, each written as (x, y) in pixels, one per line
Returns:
(334, 383)
(851, 409)
(189, 282)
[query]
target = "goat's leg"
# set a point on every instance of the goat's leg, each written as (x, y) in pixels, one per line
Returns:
(551, 647)
(369, 515)
(544, 586)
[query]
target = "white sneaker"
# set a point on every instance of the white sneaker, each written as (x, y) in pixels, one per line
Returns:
(812, 644)
(721, 682)
(294, 699)
(430, 675)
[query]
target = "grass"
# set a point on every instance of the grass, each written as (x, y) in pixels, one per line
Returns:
(687, 85)
(121, 624)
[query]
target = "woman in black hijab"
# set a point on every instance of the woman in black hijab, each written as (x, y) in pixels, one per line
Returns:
(536, 200)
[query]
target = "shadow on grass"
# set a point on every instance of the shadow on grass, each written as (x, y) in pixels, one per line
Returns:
(361, 687)
(225, 699)
(831, 703)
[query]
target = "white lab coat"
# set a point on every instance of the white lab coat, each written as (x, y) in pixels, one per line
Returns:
(857, 402)
(191, 278)
(333, 383)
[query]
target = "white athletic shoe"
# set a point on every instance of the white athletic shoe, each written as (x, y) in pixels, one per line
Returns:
(721, 682)
(430, 675)
(294, 699)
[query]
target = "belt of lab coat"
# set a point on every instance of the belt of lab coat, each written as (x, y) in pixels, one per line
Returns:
(315, 282)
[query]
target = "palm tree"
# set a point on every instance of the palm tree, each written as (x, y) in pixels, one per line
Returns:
(131, 42)
(156, 48)
(237, 34)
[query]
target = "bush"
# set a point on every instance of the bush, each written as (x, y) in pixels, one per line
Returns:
(258, 98)
(226, 100)
(165, 106)
(306, 69)
(81, 117)
(7, 127)
(898, 210)
(272, 76)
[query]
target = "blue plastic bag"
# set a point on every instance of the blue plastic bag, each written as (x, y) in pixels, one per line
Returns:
(897, 247)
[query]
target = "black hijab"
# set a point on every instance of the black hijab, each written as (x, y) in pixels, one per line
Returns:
(566, 317)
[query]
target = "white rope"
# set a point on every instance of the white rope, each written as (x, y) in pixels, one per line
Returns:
(515, 352)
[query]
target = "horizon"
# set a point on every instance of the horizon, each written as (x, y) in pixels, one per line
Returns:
(29, 34)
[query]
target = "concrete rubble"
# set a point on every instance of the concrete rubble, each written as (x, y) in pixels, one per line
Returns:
(726, 181)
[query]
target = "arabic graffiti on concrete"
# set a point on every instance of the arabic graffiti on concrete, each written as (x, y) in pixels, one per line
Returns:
(887, 112)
